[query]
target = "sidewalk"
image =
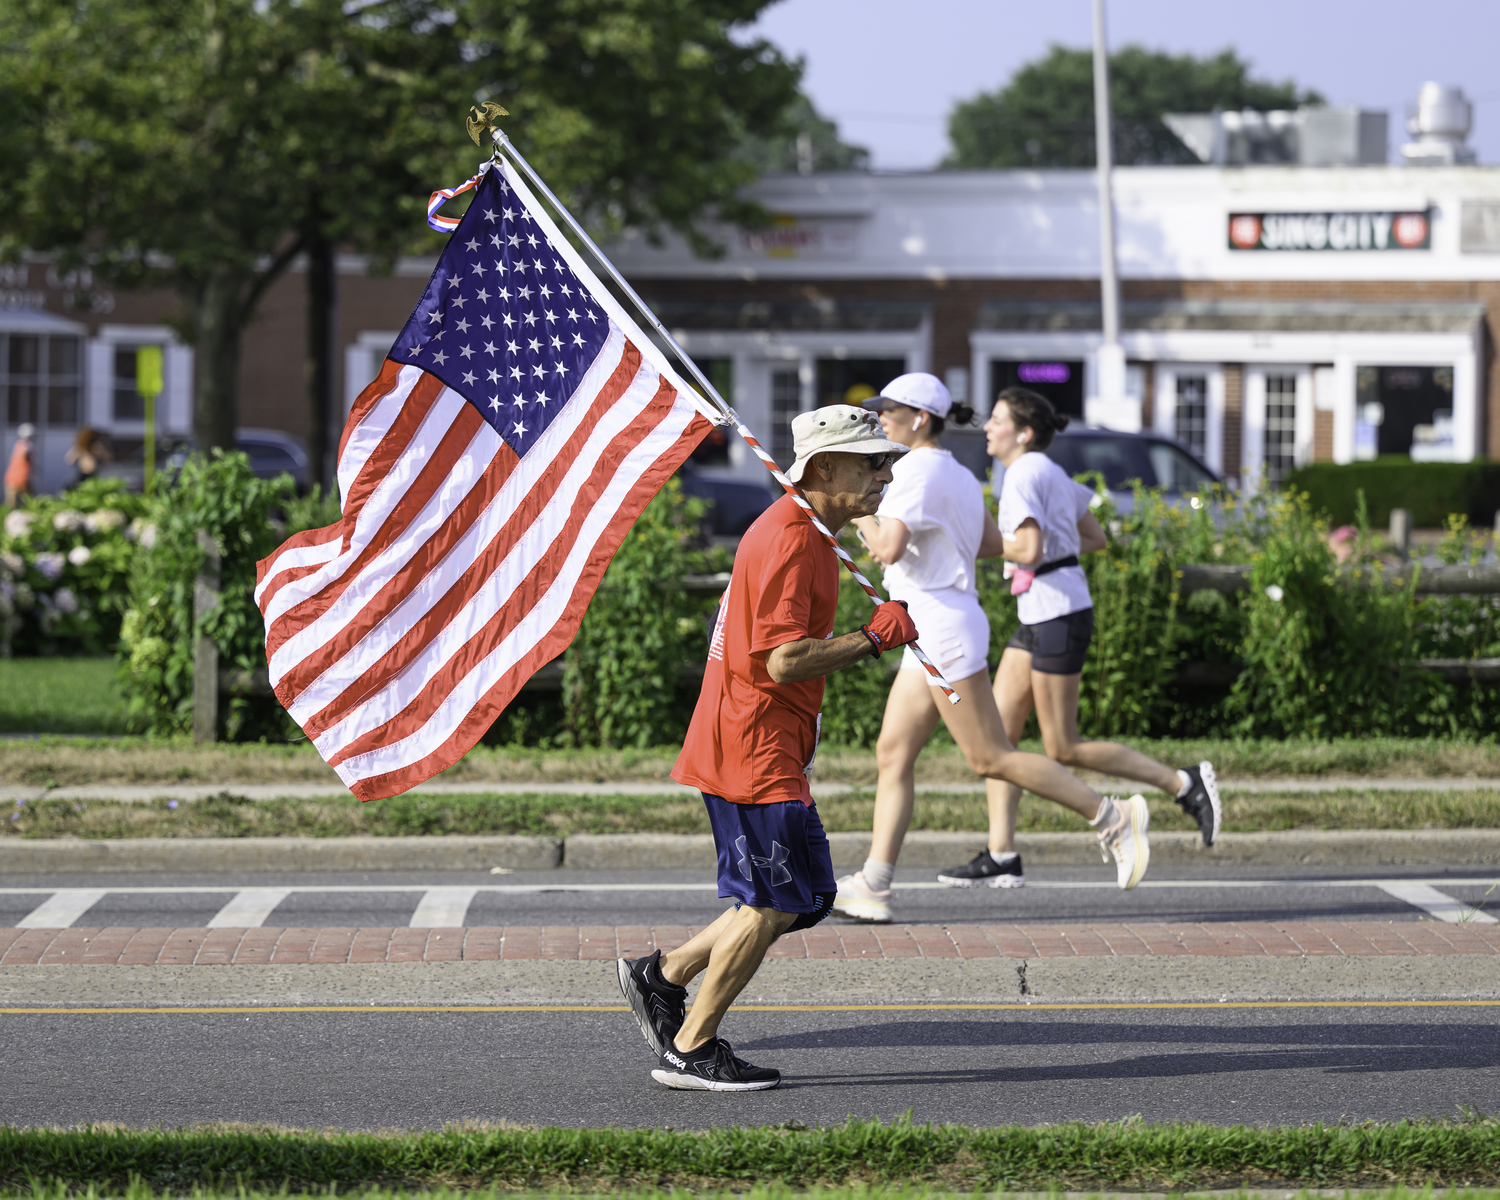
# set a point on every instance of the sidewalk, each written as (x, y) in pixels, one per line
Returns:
(826, 942)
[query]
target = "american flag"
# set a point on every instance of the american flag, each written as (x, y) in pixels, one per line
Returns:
(518, 427)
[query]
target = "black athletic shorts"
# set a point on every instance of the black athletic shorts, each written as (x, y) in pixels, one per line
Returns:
(1058, 646)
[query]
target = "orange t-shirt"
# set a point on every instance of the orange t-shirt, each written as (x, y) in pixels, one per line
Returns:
(751, 739)
(18, 472)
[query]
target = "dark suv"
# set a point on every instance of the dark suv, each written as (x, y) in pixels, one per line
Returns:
(1123, 458)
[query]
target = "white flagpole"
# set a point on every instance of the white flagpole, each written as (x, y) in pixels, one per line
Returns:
(504, 144)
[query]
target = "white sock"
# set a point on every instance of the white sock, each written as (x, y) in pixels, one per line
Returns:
(878, 874)
(1187, 782)
(1002, 857)
(1107, 814)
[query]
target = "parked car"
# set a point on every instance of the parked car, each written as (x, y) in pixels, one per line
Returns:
(271, 453)
(1124, 458)
(735, 502)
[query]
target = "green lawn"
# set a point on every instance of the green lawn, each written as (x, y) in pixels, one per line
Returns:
(60, 695)
(230, 1161)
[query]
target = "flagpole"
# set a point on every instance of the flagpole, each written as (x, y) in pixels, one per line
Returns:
(503, 143)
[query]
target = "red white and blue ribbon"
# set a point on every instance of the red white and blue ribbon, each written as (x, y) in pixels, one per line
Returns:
(443, 195)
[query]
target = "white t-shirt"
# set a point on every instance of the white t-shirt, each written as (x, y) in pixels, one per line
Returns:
(938, 499)
(1036, 487)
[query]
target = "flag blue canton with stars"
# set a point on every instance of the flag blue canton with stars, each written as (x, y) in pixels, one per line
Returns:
(504, 322)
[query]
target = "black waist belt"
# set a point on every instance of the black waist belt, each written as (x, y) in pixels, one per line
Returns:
(1058, 565)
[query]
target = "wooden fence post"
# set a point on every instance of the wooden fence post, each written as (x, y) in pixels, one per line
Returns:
(1401, 531)
(205, 650)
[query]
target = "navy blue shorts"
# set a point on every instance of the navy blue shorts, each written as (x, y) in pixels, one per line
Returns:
(773, 856)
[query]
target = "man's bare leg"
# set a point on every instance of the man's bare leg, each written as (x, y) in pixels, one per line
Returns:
(681, 966)
(734, 955)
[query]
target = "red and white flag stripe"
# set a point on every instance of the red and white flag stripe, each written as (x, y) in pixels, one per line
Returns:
(397, 636)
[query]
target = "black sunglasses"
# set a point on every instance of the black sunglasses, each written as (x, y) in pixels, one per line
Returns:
(877, 461)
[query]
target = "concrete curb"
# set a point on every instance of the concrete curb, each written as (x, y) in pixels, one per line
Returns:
(667, 852)
(779, 981)
(212, 855)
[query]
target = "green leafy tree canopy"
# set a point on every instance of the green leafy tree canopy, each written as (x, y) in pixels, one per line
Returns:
(202, 145)
(1044, 117)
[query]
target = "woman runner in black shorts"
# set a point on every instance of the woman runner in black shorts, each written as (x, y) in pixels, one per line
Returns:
(1047, 522)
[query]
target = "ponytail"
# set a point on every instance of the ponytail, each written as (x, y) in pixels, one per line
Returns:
(959, 414)
(1030, 410)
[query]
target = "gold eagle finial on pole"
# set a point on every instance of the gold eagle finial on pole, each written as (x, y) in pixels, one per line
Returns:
(481, 120)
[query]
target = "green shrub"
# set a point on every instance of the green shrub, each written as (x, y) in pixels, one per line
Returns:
(222, 497)
(64, 565)
(623, 674)
(1429, 491)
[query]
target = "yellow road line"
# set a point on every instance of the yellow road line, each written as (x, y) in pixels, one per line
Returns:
(890, 1008)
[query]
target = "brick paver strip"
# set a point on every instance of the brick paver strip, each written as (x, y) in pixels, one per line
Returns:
(203, 947)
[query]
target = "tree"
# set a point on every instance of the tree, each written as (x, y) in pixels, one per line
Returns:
(1044, 117)
(806, 142)
(202, 145)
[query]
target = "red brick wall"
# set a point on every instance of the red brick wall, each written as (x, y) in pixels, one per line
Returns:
(1322, 436)
(1234, 419)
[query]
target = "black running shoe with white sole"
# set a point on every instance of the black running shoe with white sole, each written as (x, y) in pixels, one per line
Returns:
(1201, 800)
(983, 871)
(712, 1067)
(659, 1006)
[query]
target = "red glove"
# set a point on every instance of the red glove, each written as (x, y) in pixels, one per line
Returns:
(890, 627)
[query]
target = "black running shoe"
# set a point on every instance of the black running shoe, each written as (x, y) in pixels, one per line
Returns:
(659, 1006)
(1201, 800)
(983, 871)
(712, 1067)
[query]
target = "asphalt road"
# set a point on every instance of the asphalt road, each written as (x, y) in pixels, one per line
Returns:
(1177, 893)
(1225, 1064)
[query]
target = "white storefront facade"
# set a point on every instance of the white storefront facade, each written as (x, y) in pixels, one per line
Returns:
(1272, 315)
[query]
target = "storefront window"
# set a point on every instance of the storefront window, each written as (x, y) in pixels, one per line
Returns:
(1191, 413)
(854, 380)
(786, 397)
(128, 406)
(1281, 427)
(713, 450)
(41, 378)
(1061, 382)
(1405, 410)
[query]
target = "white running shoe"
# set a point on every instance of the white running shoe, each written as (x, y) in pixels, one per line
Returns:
(860, 902)
(1127, 841)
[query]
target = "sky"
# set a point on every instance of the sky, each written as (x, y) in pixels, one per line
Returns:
(888, 71)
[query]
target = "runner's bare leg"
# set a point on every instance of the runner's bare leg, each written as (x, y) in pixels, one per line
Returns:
(911, 715)
(736, 954)
(1057, 714)
(1013, 699)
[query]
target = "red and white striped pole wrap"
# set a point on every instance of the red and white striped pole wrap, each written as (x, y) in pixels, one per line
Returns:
(859, 577)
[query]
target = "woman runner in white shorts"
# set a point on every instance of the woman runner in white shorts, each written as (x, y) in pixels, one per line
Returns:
(1046, 521)
(931, 526)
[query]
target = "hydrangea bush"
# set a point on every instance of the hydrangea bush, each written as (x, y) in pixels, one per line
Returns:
(64, 565)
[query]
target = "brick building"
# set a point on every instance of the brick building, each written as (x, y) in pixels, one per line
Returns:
(1271, 315)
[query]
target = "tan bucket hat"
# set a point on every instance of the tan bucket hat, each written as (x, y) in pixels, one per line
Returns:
(841, 429)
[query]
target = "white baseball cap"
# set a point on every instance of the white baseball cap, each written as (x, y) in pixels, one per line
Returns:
(840, 429)
(916, 389)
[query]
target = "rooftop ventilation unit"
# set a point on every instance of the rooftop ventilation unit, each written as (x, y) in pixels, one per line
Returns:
(1439, 123)
(1308, 136)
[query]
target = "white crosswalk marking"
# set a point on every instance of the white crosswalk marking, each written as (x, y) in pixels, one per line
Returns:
(1439, 904)
(443, 908)
(249, 909)
(62, 909)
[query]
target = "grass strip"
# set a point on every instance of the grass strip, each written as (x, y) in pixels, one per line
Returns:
(55, 761)
(549, 814)
(61, 695)
(1129, 1155)
(138, 1191)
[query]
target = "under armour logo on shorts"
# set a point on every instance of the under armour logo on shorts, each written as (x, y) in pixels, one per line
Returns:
(775, 866)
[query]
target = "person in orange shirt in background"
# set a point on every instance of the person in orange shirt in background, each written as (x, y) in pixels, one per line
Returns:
(18, 471)
(751, 742)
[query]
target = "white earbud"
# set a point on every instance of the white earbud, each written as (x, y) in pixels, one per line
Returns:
(1024, 438)
(917, 424)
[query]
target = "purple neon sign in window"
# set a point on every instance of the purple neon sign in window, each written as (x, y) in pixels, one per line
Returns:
(1044, 372)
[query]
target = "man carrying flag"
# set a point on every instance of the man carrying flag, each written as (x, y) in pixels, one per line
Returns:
(750, 746)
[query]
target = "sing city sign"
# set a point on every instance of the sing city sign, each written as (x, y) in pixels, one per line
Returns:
(1330, 231)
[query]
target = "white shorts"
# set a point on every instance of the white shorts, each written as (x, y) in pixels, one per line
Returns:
(952, 631)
